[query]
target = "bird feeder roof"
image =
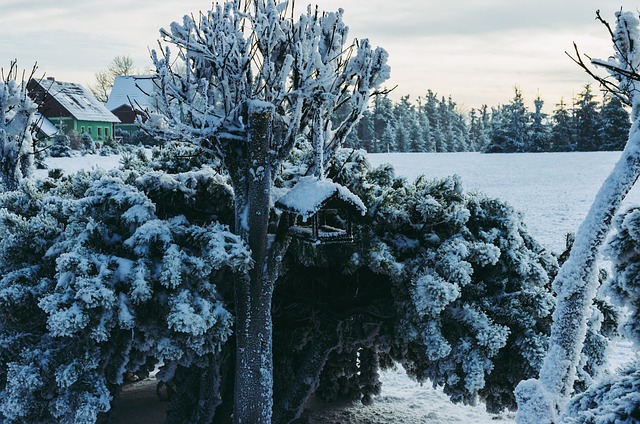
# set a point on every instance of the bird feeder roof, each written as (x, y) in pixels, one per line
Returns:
(312, 194)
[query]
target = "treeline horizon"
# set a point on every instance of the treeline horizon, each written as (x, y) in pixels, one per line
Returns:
(434, 123)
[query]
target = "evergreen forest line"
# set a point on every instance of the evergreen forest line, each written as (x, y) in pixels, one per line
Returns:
(436, 124)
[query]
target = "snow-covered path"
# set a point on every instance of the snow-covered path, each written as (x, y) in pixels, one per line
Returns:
(402, 401)
(407, 402)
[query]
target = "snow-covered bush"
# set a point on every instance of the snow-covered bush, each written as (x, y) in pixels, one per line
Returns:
(60, 145)
(174, 158)
(615, 399)
(448, 284)
(201, 196)
(472, 287)
(624, 286)
(110, 147)
(95, 285)
(88, 145)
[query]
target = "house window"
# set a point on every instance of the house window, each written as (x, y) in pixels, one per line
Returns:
(81, 130)
(106, 132)
(89, 130)
(99, 132)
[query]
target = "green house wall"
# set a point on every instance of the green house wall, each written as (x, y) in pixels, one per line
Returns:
(99, 131)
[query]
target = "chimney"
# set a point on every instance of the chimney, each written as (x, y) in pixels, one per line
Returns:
(51, 78)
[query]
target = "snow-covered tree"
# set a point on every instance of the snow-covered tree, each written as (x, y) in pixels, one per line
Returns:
(510, 127)
(16, 118)
(587, 121)
(545, 399)
(538, 130)
(254, 81)
(614, 124)
(562, 137)
(60, 145)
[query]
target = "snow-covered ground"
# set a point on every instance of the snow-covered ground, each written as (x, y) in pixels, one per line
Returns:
(76, 163)
(553, 190)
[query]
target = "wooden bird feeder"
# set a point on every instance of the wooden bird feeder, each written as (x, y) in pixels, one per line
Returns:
(321, 211)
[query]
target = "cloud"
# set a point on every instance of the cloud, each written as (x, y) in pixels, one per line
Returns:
(475, 50)
(405, 19)
(484, 70)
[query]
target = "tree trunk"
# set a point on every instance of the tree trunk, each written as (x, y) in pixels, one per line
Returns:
(542, 401)
(254, 357)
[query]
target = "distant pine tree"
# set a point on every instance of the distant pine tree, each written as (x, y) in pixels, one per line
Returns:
(614, 124)
(510, 127)
(479, 128)
(404, 113)
(388, 140)
(562, 137)
(587, 122)
(539, 140)
(366, 133)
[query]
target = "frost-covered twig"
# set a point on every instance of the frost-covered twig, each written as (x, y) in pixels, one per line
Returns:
(17, 112)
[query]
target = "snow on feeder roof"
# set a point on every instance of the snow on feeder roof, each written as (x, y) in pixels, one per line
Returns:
(327, 205)
(311, 194)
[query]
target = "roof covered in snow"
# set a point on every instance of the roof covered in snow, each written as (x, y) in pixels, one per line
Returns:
(46, 127)
(132, 89)
(78, 101)
(311, 194)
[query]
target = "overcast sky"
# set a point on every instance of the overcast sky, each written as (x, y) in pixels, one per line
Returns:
(474, 50)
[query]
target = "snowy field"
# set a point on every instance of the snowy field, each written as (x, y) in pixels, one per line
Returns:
(552, 190)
